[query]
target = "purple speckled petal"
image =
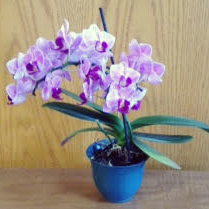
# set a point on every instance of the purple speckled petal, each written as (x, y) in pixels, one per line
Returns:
(146, 49)
(19, 99)
(14, 96)
(90, 36)
(158, 68)
(101, 47)
(104, 46)
(112, 99)
(123, 58)
(84, 69)
(154, 79)
(56, 81)
(134, 49)
(106, 82)
(62, 74)
(139, 94)
(106, 38)
(11, 90)
(128, 81)
(46, 93)
(109, 109)
(132, 75)
(67, 75)
(19, 74)
(12, 66)
(83, 98)
(75, 44)
(64, 28)
(136, 106)
(30, 69)
(56, 93)
(125, 107)
(59, 41)
(26, 85)
(116, 72)
(47, 66)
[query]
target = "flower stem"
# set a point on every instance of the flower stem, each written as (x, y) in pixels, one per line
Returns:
(105, 29)
(113, 62)
(126, 137)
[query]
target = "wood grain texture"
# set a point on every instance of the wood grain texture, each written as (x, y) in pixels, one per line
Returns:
(30, 136)
(71, 188)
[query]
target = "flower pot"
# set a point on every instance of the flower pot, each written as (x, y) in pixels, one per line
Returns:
(116, 184)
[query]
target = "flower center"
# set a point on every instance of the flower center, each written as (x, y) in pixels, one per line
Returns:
(101, 47)
(31, 69)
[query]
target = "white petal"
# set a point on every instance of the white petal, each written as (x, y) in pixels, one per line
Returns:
(116, 71)
(108, 38)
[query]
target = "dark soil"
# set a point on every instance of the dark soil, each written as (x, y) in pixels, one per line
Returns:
(115, 155)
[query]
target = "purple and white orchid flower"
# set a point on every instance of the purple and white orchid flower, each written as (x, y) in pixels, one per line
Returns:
(96, 44)
(124, 93)
(44, 67)
(15, 66)
(17, 93)
(94, 79)
(51, 85)
(139, 58)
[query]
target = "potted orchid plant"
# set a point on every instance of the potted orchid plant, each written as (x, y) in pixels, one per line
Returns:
(118, 161)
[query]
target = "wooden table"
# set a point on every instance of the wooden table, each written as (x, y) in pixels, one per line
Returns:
(73, 188)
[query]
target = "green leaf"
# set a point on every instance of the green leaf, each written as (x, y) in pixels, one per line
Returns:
(95, 107)
(155, 154)
(168, 120)
(83, 113)
(77, 98)
(73, 110)
(126, 129)
(161, 138)
(82, 131)
(129, 129)
(103, 131)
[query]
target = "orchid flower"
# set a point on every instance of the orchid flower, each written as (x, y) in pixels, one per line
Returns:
(96, 44)
(124, 93)
(51, 85)
(17, 93)
(15, 66)
(139, 58)
(94, 79)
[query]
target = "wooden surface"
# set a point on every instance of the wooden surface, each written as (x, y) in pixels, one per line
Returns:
(30, 136)
(68, 188)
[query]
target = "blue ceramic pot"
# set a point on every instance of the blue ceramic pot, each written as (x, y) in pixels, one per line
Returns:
(116, 184)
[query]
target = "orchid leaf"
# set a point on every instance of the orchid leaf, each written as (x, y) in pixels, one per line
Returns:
(155, 154)
(94, 106)
(159, 138)
(127, 130)
(82, 131)
(168, 120)
(84, 113)
(103, 130)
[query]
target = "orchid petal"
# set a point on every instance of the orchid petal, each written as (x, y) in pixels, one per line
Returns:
(154, 79)
(12, 66)
(134, 48)
(11, 90)
(158, 68)
(116, 72)
(146, 49)
(107, 38)
(46, 93)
